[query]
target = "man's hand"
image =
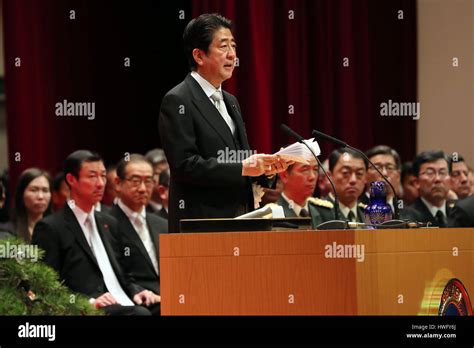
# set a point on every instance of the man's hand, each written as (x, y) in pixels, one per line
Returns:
(145, 297)
(259, 164)
(105, 300)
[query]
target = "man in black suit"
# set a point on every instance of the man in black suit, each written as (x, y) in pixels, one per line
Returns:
(432, 172)
(138, 231)
(463, 213)
(78, 243)
(348, 170)
(203, 133)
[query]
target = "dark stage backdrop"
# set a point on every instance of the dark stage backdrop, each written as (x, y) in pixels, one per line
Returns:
(291, 69)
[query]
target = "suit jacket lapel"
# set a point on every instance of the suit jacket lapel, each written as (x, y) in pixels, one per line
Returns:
(133, 236)
(73, 225)
(237, 117)
(209, 111)
(425, 212)
(286, 207)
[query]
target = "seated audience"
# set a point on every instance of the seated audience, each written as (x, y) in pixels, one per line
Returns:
(79, 243)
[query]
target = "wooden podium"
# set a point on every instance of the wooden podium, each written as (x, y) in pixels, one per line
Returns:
(399, 272)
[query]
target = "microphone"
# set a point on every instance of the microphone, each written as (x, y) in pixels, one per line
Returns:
(323, 136)
(300, 139)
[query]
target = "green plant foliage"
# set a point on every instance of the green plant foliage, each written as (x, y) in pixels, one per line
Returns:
(30, 287)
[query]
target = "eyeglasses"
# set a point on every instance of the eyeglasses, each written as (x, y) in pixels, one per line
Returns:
(431, 173)
(389, 167)
(136, 181)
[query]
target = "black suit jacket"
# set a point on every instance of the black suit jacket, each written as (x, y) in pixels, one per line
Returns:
(138, 262)
(67, 251)
(419, 212)
(463, 213)
(194, 135)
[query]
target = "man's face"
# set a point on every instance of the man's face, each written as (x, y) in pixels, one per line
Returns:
(89, 187)
(387, 165)
(433, 181)
(218, 64)
(136, 189)
(349, 176)
(460, 179)
(301, 180)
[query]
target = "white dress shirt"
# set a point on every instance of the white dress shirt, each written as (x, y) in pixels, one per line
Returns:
(209, 89)
(138, 220)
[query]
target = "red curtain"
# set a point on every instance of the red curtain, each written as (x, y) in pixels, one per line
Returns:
(292, 56)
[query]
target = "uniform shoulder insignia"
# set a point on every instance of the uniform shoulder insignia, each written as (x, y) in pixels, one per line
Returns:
(362, 205)
(321, 202)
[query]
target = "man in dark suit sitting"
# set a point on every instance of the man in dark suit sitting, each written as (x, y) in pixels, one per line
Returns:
(138, 231)
(78, 242)
(432, 172)
(348, 170)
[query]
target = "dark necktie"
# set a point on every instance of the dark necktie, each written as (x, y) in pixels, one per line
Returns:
(304, 213)
(351, 216)
(440, 219)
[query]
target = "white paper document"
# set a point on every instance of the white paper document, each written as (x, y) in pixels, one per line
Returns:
(299, 152)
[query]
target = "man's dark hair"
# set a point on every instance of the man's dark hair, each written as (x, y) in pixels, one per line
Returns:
(336, 154)
(454, 159)
(133, 158)
(58, 179)
(407, 169)
(199, 34)
(427, 157)
(74, 161)
(384, 150)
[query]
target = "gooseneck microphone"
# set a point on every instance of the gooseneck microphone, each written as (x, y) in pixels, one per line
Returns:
(341, 143)
(300, 139)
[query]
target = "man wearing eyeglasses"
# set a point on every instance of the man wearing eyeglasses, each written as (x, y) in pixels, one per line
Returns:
(432, 172)
(138, 230)
(388, 162)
